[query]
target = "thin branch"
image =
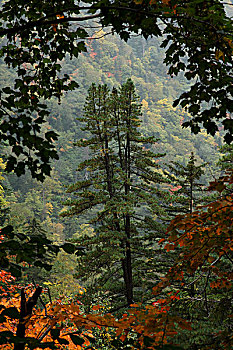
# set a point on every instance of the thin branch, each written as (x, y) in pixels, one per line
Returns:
(206, 217)
(99, 37)
(164, 330)
(205, 293)
(17, 29)
(45, 333)
(161, 14)
(196, 279)
(50, 299)
(41, 300)
(228, 257)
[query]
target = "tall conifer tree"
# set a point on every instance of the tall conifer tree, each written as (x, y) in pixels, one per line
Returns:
(123, 185)
(187, 189)
(226, 161)
(187, 192)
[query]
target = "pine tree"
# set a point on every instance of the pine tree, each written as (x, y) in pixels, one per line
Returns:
(120, 190)
(44, 251)
(186, 193)
(4, 209)
(226, 161)
(187, 190)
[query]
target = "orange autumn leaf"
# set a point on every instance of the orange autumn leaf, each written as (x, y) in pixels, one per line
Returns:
(54, 26)
(96, 307)
(185, 325)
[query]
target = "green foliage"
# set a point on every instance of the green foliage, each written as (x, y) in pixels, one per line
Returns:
(4, 206)
(226, 161)
(34, 55)
(37, 38)
(159, 119)
(121, 181)
(203, 271)
(29, 247)
(186, 189)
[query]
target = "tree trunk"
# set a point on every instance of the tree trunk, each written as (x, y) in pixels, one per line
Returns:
(25, 310)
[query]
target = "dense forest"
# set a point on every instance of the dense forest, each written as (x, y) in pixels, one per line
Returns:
(116, 218)
(111, 61)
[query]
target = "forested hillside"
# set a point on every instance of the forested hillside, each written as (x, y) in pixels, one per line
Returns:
(110, 61)
(115, 220)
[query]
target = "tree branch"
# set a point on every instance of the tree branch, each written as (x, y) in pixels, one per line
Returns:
(25, 310)
(28, 25)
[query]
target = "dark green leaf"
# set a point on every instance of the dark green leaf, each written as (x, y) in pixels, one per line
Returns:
(68, 248)
(11, 312)
(76, 339)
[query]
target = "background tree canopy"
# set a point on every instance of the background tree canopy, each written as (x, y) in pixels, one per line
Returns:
(37, 36)
(125, 240)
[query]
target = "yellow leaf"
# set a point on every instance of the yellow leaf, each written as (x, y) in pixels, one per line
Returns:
(229, 41)
(219, 54)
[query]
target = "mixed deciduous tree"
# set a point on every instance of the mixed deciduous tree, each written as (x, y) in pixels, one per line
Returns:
(205, 241)
(60, 324)
(198, 36)
(186, 192)
(204, 238)
(121, 180)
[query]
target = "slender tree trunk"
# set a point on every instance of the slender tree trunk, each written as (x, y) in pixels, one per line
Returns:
(129, 287)
(25, 310)
(128, 257)
(192, 289)
(191, 194)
